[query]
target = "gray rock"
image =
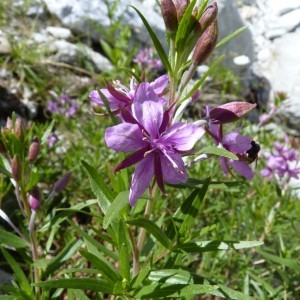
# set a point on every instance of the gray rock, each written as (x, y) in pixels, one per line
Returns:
(5, 279)
(230, 20)
(70, 53)
(59, 32)
(85, 16)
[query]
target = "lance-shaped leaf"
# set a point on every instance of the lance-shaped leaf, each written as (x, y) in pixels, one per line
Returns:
(98, 285)
(153, 229)
(157, 44)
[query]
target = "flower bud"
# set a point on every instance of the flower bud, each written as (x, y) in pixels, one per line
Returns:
(9, 124)
(61, 183)
(181, 6)
(19, 129)
(230, 112)
(208, 16)
(16, 168)
(169, 14)
(34, 198)
(206, 44)
(34, 150)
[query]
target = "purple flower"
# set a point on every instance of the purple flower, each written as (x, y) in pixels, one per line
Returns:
(62, 105)
(121, 96)
(236, 144)
(156, 147)
(145, 59)
(282, 162)
(51, 140)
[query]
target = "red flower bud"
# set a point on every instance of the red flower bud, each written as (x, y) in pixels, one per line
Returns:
(208, 16)
(206, 44)
(230, 112)
(16, 168)
(61, 183)
(19, 129)
(34, 150)
(181, 6)
(169, 14)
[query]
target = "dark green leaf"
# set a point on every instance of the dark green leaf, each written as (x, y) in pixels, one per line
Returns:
(173, 290)
(153, 229)
(204, 246)
(158, 46)
(113, 211)
(232, 294)
(21, 278)
(92, 284)
(190, 209)
(141, 276)
(69, 250)
(98, 186)
(11, 240)
(291, 263)
(102, 265)
(124, 251)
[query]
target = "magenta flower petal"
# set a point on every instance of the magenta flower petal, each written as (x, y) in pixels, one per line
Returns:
(171, 174)
(141, 179)
(242, 168)
(236, 143)
(150, 115)
(159, 84)
(182, 136)
(224, 163)
(124, 137)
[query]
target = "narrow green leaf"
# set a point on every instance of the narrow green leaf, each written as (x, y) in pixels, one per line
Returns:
(172, 276)
(10, 239)
(89, 240)
(184, 27)
(47, 132)
(21, 278)
(202, 79)
(124, 249)
(204, 246)
(91, 284)
(141, 275)
(218, 151)
(102, 266)
(293, 264)
(157, 44)
(63, 256)
(232, 294)
(231, 36)
(173, 290)
(190, 209)
(194, 183)
(113, 211)
(98, 186)
(153, 229)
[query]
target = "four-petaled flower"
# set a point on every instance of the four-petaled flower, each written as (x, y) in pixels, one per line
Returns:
(157, 146)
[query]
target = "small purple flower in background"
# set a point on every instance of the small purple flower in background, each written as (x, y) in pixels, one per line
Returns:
(52, 140)
(156, 147)
(283, 162)
(62, 105)
(118, 95)
(145, 60)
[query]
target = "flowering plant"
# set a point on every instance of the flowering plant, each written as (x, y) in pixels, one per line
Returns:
(147, 256)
